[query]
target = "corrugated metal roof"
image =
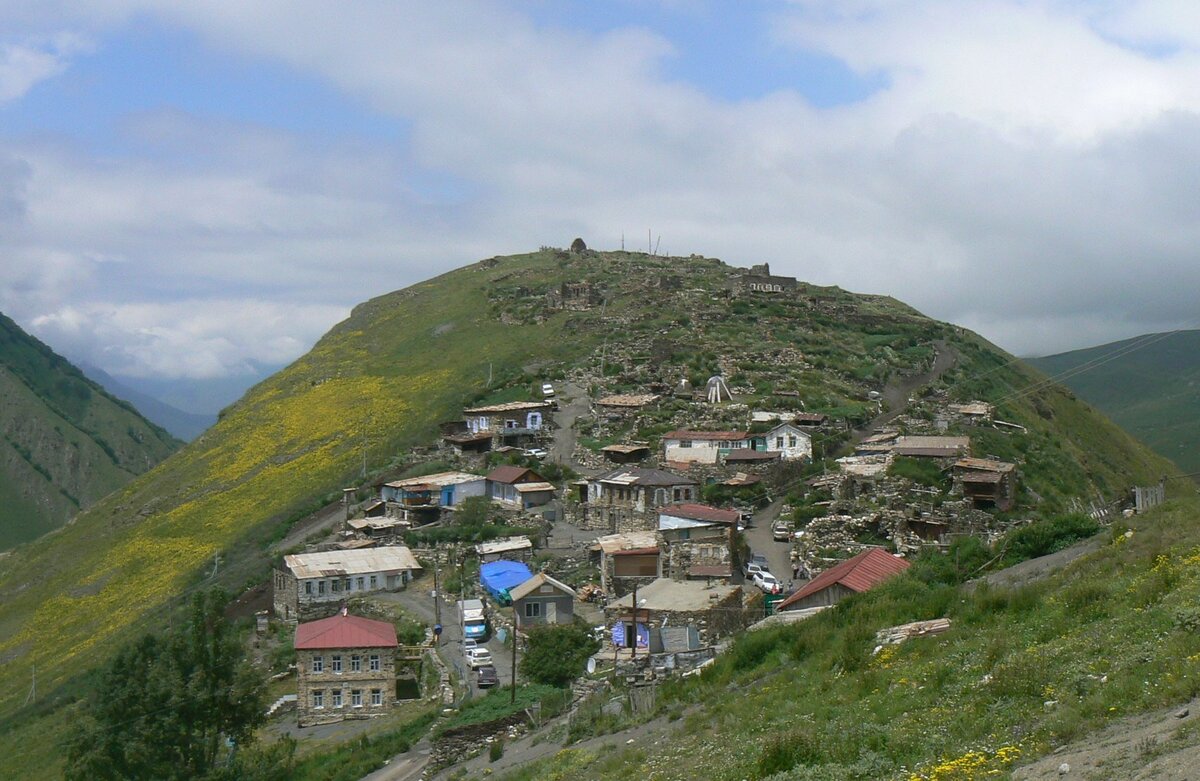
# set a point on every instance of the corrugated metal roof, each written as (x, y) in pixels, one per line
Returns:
(505, 545)
(526, 488)
(437, 480)
(699, 512)
(509, 474)
(723, 436)
(611, 543)
(345, 632)
(624, 449)
(511, 406)
(638, 476)
(324, 564)
(863, 572)
(984, 465)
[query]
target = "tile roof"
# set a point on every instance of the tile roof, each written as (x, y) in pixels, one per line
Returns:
(865, 571)
(342, 631)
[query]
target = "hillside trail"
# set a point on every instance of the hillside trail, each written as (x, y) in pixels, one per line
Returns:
(562, 450)
(897, 392)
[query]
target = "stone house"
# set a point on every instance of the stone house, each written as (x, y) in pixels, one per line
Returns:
(313, 583)
(512, 423)
(758, 279)
(626, 560)
(345, 669)
(509, 548)
(696, 541)
(422, 498)
(542, 600)
(852, 576)
(790, 441)
(987, 483)
(628, 498)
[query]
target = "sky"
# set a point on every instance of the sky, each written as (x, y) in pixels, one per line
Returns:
(195, 191)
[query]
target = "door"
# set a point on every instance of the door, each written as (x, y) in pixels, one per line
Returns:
(551, 612)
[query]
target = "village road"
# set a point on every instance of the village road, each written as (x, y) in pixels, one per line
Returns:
(758, 536)
(562, 450)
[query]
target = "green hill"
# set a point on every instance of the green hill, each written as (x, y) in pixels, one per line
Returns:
(381, 381)
(1149, 385)
(67, 442)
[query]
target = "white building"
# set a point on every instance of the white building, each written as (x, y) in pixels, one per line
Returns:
(702, 447)
(308, 580)
(791, 441)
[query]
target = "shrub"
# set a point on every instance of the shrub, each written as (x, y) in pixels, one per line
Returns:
(557, 654)
(1046, 536)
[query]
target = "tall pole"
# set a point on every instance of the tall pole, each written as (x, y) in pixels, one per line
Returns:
(633, 655)
(437, 594)
(516, 624)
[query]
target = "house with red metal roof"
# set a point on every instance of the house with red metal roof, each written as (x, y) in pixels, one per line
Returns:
(518, 486)
(345, 669)
(852, 576)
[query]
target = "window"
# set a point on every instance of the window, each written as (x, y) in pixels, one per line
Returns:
(533, 609)
(685, 443)
(335, 585)
(356, 698)
(335, 662)
(318, 664)
(308, 587)
(360, 584)
(337, 698)
(320, 587)
(318, 699)
(346, 584)
(355, 663)
(373, 581)
(374, 663)
(376, 697)
(779, 442)
(791, 440)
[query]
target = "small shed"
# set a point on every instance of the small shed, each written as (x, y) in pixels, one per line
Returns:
(626, 454)
(543, 600)
(852, 576)
(510, 548)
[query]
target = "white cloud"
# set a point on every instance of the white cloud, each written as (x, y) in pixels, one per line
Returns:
(24, 64)
(1028, 169)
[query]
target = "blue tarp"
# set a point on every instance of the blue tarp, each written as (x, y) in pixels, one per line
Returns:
(499, 576)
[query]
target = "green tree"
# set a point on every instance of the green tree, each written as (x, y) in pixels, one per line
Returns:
(171, 707)
(557, 654)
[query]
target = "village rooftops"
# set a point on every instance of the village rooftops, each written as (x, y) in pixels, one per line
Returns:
(639, 476)
(809, 418)
(699, 512)
(439, 480)
(683, 596)
(324, 564)
(631, 400)
(342, 631)
(865, 571)
(511, 474)
(511, 406)
(719, 436)
(506, 545)
(616, 543)
(528, 587)
(626, 450)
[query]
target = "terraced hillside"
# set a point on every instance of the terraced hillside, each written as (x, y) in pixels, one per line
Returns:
(67, 442)
(380, 382)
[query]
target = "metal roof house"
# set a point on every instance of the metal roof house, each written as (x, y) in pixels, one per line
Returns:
(309, 582)
(852, 576)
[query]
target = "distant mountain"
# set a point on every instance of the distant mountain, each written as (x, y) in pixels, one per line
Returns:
(199, 396)
(65, 441)
(1149, 385)
(183, 425)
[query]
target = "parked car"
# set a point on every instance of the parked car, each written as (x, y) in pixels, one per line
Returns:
(469, 642)
(478, 657)
(537, 452)
(781, 531)
(486, 676)
(754, 569)
(767, 582)
(756, 560)
(547, 389)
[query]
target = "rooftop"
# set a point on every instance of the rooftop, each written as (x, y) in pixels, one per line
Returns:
(699, 512)
(342, 631)
(612, 543)
(426, 482)
(511, 406)
(746, 454)
(511, 474)
(506, 545)
(640, 476)
(865, 571)
(722, 436)
(628, 400)
(538, 580)
(984, 465)
(668, 595)
(324, 564)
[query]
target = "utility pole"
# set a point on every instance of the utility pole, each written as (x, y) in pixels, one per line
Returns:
(633, 654)
(516, 624)
(437, 594)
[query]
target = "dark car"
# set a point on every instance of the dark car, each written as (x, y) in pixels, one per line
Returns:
(487, 676)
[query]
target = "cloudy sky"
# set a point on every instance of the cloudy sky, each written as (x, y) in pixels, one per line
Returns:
(191, 189)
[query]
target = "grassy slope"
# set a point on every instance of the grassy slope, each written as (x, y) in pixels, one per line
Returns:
(408, 360)
(1113, 634)
(64, 442)
(1152, 391)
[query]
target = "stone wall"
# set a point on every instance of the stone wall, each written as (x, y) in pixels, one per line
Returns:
(465, 742)
(285, 594)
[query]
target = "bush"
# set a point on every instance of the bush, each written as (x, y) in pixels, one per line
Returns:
(1046, 536)
(557, 654)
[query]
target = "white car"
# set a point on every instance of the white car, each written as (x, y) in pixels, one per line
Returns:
(537, 452)
(547, 389)
(767, 582)
(478, 657)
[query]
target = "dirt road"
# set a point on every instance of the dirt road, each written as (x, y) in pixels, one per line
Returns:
(562, 450)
